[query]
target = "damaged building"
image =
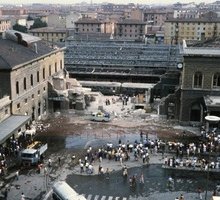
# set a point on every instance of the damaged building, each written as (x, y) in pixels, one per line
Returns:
(198, 93)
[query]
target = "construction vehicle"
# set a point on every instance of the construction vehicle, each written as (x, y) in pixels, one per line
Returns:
(33, 154)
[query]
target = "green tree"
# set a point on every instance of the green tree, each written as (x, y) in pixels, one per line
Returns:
(20, 28)
(38, 23)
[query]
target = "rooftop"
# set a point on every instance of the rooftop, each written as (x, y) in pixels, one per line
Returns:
(131, 21)
(209, 48)
(28, 48)
(88, 20)
(48, 29)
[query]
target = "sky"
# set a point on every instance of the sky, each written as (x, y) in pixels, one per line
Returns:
(147, 2)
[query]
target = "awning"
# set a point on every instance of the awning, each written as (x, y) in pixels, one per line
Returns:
(212, 118)
(11, 125)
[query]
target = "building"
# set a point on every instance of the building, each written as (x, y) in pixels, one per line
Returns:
(155, 17)
(130, 29)
(13, 11)
(5, 24)
(199, 90)
(196, 29)
(50, 34)
(88, 25)
(27, 65)
(56, 21)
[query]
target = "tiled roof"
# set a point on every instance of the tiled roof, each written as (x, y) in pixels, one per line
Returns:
(88, 21)
(48, 30)
(12, 53)
(131, 21)
(194, 20)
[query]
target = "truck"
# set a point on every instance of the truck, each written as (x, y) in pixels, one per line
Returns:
(33, 154)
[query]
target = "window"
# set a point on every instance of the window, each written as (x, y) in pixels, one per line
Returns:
(43, 73)
(6, 111)
(216, 80)
(38, 76)
(25, 84)
(32, 81)
(55, 66)
(197, 80)
(49, 70)
(38, 92)
(18, 106)
(25, 101)
(32, 96)
(61, 64)
(17, 87)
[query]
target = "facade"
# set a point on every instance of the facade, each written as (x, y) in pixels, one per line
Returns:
(50, 34)
(156, 18)
(201, 29)
(13, 11)
(198, 93)
(200, 78)
(71, 19)
(88, 25)
(56, 20)
(5, 24)
(5, 108)
(130, 29)
(26, 66)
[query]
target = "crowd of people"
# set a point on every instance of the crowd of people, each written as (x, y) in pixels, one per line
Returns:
(202, 155)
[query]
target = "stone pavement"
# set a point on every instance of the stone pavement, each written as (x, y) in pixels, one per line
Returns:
(38, 186)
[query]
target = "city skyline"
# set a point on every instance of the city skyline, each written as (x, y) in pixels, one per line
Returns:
(158, 2)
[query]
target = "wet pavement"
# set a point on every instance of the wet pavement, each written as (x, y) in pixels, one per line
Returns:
(74, 133)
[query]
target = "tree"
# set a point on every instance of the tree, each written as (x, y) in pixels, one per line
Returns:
(20, 28)
(38, 23)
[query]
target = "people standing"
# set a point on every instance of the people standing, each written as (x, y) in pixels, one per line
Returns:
(49, 162)
(6, 193)
(181, 197)
(142, 178)
(22, 196)
(17, 175)
(59, 160)
(199, 193)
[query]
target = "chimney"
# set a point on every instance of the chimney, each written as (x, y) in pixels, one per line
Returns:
(35, 48)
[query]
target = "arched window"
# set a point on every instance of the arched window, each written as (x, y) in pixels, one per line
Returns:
(17, 87)
(197, 81)
(49, 70)
(55, 66)
(25, 84)
(43, 73)
(32, 81)
(38, 76)
(216, 80)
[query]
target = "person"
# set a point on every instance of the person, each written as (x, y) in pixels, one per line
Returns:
(199, 193)
(181, 197)
(177, 198)
(59, 160)
(49, 162)
(107, 173)
(5, 193)
(142, 178)
(170, 182)
(22, 196)
(17, 175)
(133, 181)
(45, 171)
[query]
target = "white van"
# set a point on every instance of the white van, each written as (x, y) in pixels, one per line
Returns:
(62, 191)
